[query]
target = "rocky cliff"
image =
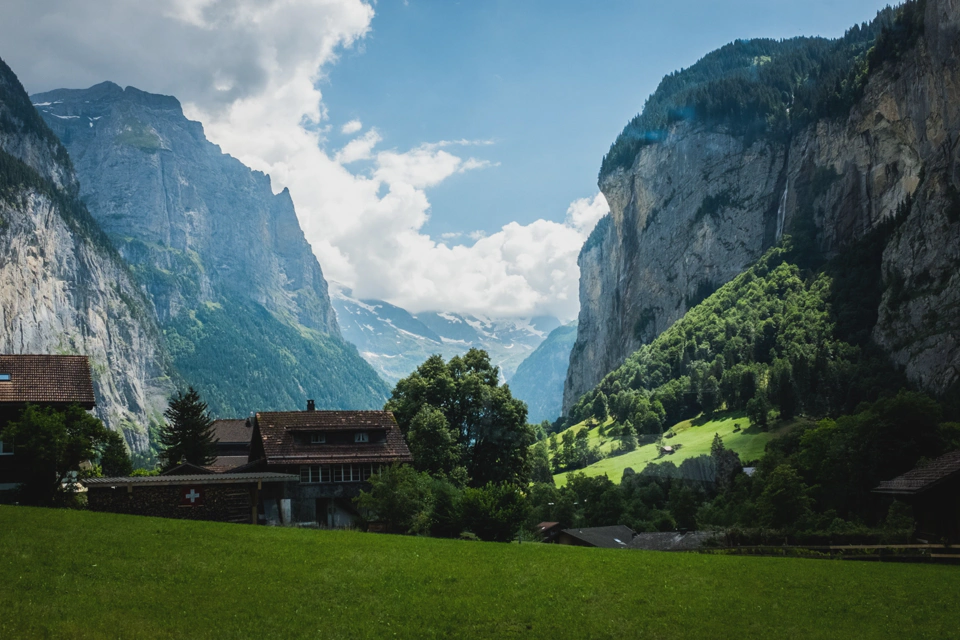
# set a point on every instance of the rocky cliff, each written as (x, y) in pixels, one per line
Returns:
(702, 200)
(237, 290)
(63, 288)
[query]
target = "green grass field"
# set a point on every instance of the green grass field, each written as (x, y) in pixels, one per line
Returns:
(695, 436)
(68, 574)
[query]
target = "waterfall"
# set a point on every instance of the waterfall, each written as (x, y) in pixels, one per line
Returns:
(781, 213)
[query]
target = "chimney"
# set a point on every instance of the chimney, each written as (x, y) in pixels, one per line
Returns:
(310, 405)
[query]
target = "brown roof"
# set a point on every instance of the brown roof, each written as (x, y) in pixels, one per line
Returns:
(44, 379)
(202, 478)
(923, 478)
(226, 463)
(277, 430)
(232, 431)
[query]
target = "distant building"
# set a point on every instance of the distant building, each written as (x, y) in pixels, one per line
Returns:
(615, 537)
(43, 380)
(333, 453)
(933, 491)
(233, 443)
(549, 531)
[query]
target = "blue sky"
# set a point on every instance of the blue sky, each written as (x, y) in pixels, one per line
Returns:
(550, 82)
(390, 210)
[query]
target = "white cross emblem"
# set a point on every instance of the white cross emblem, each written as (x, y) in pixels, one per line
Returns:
(192, 496)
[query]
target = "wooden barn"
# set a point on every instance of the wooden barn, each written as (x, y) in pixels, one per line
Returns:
(933, 490)
(189, 492)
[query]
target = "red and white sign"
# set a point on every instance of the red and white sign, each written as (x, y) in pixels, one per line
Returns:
(191, 497)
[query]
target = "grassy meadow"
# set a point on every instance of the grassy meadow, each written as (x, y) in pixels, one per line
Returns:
(695, 436)
(73, 574)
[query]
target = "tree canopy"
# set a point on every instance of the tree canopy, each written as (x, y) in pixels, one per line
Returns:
(457, 413)
(187, 434)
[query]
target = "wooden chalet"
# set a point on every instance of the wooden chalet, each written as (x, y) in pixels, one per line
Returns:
(44, 380)
(933, 491)
(233, 443)
(333, 453)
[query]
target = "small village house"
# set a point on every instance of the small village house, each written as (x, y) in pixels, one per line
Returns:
(933, 490)
(44, 380)
(232, 442)
(333, 453)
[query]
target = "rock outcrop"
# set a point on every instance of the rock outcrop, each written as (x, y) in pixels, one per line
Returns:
(63, 287)
(697, 207)
(240, 296)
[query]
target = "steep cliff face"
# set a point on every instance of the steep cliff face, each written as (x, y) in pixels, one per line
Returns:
(63, 288)
(240, 296)
(702, 203)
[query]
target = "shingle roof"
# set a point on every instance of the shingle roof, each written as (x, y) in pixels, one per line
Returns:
(224, 464)
(232, 431)
(670, 541)
(923, 478)
(208, 478)
(329, 420)
(44, 379)
(614, 537)
(277, 431)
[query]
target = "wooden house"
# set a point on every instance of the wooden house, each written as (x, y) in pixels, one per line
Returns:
(933, 490)
(44, 380)
(614, 537)
(333, 453)
(233, 439)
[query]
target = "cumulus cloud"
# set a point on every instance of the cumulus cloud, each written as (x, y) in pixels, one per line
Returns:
(249, 71)
(351, 127)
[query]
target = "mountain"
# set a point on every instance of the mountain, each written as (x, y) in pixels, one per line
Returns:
(823, 140)
(237, 291)
(63, 287)
(395, 341)
(539, 378)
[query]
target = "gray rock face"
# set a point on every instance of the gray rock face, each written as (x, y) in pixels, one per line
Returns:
(698, 207)
(63, 289)
(539, 378)
(241, 299)
(180, 211)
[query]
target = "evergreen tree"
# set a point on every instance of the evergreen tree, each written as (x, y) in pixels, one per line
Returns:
(188, 432)
(114, 459)
(628, 437)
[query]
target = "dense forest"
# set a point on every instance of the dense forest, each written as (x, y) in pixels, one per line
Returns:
(242, 359)
(766, 87)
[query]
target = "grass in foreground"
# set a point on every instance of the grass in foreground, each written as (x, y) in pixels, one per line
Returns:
(86, 575)
(695, 436)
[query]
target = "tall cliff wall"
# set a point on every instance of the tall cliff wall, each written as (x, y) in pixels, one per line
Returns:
(701, 204)
(237, 290)
(63, 288)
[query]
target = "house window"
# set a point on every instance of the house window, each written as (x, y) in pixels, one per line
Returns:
(318, 438)
(361, 436)
(6, 448)
(4, 377)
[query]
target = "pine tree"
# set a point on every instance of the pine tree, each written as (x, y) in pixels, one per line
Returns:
(114, 460)
(188, 432)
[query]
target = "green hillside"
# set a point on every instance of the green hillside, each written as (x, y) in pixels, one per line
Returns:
(69, 574)
(691, 438)
(243, 359)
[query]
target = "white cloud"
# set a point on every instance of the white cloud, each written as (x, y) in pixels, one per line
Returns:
(351, 127)
(359, 148)
(248, 70)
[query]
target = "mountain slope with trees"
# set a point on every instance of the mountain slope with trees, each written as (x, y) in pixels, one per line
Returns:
(823, 140)
(241, 299)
